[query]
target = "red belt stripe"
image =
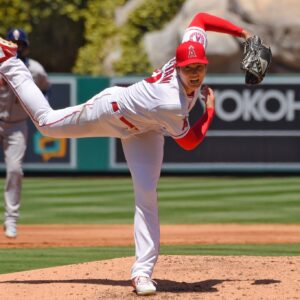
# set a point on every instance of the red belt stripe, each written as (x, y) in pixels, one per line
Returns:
(115, 108)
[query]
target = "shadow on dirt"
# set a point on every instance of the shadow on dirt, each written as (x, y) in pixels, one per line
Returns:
(184, 287)
(265, 281)
(206, 286)
(163, 285)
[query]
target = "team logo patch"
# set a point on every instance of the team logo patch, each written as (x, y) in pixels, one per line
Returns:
(198, 37)
(192, 53)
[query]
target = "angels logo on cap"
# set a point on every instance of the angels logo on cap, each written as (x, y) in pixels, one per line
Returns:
(190, 53)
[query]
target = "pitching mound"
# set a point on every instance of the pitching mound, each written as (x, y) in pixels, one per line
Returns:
(178, 277)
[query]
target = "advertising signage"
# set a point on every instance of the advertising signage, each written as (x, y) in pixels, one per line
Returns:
(256, 128)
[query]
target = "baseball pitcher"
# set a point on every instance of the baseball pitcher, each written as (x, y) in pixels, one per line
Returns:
(140, 115)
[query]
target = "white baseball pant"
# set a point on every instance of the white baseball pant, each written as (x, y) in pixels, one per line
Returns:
(95, 118)
(144, 155)
(13, 137)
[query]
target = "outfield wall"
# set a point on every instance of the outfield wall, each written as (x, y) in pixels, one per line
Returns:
(256, 129)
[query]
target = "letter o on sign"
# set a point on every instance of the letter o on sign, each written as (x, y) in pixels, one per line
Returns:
(226, 115)
(282, 110)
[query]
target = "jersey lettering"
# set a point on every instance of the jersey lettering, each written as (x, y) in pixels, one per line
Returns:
(163, 75)
(156, 75)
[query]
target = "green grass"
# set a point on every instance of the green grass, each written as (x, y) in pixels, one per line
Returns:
(181, 200)
(15, 260)
(193, 200)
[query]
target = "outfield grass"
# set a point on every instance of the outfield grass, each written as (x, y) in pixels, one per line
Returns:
(181, 200)
(15, 260)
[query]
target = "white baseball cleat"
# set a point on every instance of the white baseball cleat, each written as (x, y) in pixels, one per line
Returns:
(10, 230)
(144, 285)
(7, 50)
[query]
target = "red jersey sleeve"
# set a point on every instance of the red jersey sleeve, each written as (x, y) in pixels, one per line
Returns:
(196, 134)
(212, 23)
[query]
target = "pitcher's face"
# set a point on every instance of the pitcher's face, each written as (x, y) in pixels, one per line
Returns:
(192, 76)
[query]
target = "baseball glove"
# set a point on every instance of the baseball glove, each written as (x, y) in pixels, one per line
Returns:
(256, 60)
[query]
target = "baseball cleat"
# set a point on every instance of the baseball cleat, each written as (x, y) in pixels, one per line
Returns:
(7, 50)
(144, 285)
(10, 230)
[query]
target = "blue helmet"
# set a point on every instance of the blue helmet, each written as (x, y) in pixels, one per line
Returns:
(17, 34)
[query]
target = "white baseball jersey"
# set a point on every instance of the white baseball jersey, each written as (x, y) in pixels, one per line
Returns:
(39, 75)
(157, 103)
(160, 101)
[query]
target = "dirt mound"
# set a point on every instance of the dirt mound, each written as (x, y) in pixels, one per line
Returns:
(178, 277)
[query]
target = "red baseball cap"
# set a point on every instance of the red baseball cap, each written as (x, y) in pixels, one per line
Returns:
(190, 53)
